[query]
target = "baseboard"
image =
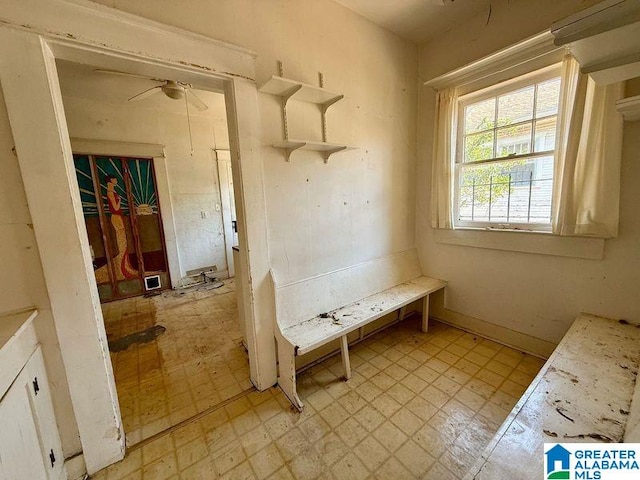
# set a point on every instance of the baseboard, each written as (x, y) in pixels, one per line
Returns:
(190, 281)
(75, 467)
(511, 338)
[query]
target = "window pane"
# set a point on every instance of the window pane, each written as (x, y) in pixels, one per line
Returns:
(545, 138)
(514, 140)
(480, 116)
(548, 97)
(478, 147)
(515, 191)
(516, 107)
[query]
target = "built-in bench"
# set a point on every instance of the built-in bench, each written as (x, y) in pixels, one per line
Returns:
(315, 311)
(585, 392)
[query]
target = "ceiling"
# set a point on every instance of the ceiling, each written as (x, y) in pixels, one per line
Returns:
(417, 20)
(83, 81)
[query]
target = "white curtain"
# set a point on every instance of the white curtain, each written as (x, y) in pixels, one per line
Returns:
(442, 160)
(588, 155)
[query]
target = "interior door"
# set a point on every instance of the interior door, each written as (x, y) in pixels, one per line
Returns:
(229, 219)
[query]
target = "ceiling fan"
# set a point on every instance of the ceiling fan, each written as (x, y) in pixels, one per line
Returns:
(171, 88)
(174, 90)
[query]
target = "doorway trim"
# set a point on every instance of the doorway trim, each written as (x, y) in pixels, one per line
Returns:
(33, 37)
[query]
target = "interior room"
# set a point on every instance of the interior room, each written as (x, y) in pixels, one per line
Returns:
(317, 239)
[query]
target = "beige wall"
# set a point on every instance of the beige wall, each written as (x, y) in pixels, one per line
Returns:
(361, 205)
(538, 295)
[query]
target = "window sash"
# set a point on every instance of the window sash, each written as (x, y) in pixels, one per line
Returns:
(495, 225)
(495, 92)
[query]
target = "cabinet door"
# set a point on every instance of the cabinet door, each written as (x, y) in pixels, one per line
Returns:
(29, 441)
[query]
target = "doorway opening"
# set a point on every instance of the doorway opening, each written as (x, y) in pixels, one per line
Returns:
(156, 205)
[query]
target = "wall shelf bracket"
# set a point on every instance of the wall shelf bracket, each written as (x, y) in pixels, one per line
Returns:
(328, 153)
(285, 98)
(325, 106)
(292, 148)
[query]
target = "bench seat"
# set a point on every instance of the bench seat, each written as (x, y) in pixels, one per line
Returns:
(298, 336)
(582, 394)
(317, 331)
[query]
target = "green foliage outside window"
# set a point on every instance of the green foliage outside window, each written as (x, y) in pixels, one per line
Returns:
(488, 181)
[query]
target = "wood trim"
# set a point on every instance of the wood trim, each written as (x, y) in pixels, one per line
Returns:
(133, 221)
(89, 146)
(600, 18)
(102, 218)
(161, 225)
(503, 335)
(506, 59)
(540, 243)
(629, 108)
(80, 24)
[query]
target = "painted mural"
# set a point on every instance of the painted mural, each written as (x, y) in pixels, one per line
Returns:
(126, 243)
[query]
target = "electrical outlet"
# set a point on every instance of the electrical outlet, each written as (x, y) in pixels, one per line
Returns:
(203, 214)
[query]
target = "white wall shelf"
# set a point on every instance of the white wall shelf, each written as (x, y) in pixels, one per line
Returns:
(327, 149)
(629, 108)
(288, 89)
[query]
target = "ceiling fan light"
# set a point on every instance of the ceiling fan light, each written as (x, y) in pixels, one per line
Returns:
(173, 90)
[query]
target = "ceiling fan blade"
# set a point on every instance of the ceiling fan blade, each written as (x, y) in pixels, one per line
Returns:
(145, 94)
(193, 99)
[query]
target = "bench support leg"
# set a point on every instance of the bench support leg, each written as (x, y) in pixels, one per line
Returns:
(401, 314)
(287, 373)
(425, 314)
(346, 363)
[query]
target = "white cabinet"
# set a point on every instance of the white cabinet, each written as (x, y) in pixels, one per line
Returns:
(29, 440)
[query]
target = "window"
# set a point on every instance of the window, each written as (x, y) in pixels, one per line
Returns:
(504, 153)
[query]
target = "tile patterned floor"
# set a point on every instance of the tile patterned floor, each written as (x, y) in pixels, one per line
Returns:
(417, 406)
(195, 364)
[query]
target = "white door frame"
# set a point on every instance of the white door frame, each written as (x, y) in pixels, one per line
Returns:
(223, 159)
(33, 37)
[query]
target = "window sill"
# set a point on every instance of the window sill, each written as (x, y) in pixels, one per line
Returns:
(541, 243)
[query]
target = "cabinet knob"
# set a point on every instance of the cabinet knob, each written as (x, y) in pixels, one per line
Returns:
(52, 457)
(36, 387)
